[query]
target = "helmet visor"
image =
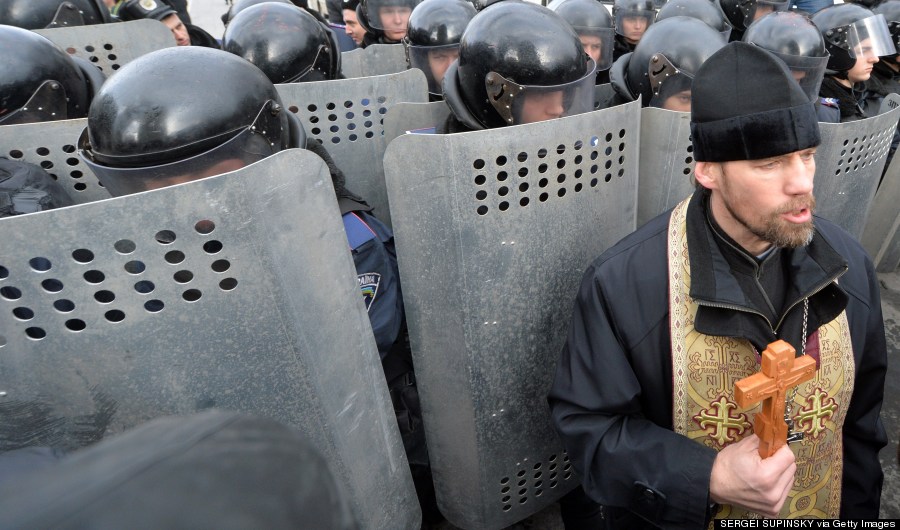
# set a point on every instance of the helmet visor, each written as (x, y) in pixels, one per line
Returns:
(671, 87)
(47, 103)
(870, 37)
(390, 16)
(632, 23)
(597, 44)
(762, 8)
(807, 71)
(246, 146)
(520, 104)
(433, 61)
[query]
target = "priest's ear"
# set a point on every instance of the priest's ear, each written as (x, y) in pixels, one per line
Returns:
(707, 175)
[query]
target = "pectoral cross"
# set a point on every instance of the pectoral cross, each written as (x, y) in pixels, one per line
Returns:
(780, 371)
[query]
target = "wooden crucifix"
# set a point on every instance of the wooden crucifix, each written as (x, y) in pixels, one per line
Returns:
(780, 371)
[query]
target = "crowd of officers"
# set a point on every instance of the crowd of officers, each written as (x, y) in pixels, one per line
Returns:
(477, 56)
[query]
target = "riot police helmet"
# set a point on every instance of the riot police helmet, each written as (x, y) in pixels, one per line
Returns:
(39, 14)
(852, 32)
(432, 37)
(303, 49)
(891, 11)
(386, 19)
(700, 9)
(40, 82)
(239, 5)
(663, 64)
(794, 39)
(594, 26)
(742, 13)
(518, 63)
(633, 18)
(143, 135)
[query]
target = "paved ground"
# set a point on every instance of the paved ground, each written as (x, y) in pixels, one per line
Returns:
(207, 13)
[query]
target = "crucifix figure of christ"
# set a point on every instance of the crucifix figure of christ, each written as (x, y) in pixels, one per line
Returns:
(780, 372)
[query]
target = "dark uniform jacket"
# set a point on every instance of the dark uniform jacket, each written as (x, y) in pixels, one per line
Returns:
(612, 397)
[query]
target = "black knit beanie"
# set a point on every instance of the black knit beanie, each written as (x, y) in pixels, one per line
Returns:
(746, 105)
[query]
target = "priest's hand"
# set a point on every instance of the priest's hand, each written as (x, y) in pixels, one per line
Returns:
(740, 477)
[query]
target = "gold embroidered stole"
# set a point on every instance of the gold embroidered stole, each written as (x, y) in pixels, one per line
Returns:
(705, 368)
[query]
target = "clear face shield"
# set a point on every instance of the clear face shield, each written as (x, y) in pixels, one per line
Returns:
(754, 11)
(389, 17)
(598, 45)
(433, 61)
(807, 71)
(671, 87)
(869, 37)
(520, 104)
(247, 145)
(47, 103)
(632, 23)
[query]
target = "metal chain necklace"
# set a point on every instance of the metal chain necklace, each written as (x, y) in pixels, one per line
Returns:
(796, 436)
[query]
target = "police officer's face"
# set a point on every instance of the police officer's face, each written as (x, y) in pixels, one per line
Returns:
(541, 106)
(224, 166)
(633, 28)
(393, 20)
(178, 30)
(439, 60)
(680, 102)
(352, 27)
(592, 45)
(865, 61)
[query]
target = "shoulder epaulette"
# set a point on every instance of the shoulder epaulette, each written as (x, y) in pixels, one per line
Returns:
(358, 232)
(830, 102)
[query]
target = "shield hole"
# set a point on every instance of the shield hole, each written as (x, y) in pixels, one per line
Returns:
(124, 246)
(104, 297)
(154, 306)
(192, 295)
(184, 276)
(64, 306)
(75, 325)
(144, 287)
(94, 277)
(228, 284)
(4, 272)
(83, 255)
(165, 237)
(23, 313)
(35, 333)
(52, 285)
(10, 293)
(135, 267)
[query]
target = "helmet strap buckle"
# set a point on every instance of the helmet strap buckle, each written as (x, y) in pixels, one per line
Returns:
(501, 92)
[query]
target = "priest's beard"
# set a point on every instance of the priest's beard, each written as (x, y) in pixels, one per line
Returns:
(770, 226)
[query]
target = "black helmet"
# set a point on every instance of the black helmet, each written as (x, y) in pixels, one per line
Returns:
(137, 9)
(302, 49)
(633, 9)
(700, 9)
(511, 55)
(665, 60)
(239, 5)
(891, 11)
(795, 40)
(40, 82)
(844, 27)
(742, 13)
(142, 135)
(39, 14)
(386, 18)
(432, 38)
(591, 21)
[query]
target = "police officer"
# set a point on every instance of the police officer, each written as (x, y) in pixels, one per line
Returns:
(385, 21)
(595, 29)
(432, 39)
(185, 34)
(39, 14)
(246, 122)
(794, 39)
(500, 79)
(885, 77)
(352, 27)
(303, 49)
(742, 13)
(700, 9)
(661, 68)
(633, 18)
(855, 39)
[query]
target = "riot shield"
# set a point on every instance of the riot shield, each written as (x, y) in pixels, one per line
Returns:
(494, 230)
(377, 59)
(111, 46)
(411, 117)
(347, 115)
(51, 145)
(881, 237)
(667, 162)
(849, 163)
(236, 292)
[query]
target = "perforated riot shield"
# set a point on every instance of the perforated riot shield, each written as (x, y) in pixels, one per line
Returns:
(112, 46)
(849, 163)
(494, 230)
(377, 59)
(347, 115)
(667, 162)
(410, 117)
(881, 237)
(51, 145)
(236, 292)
